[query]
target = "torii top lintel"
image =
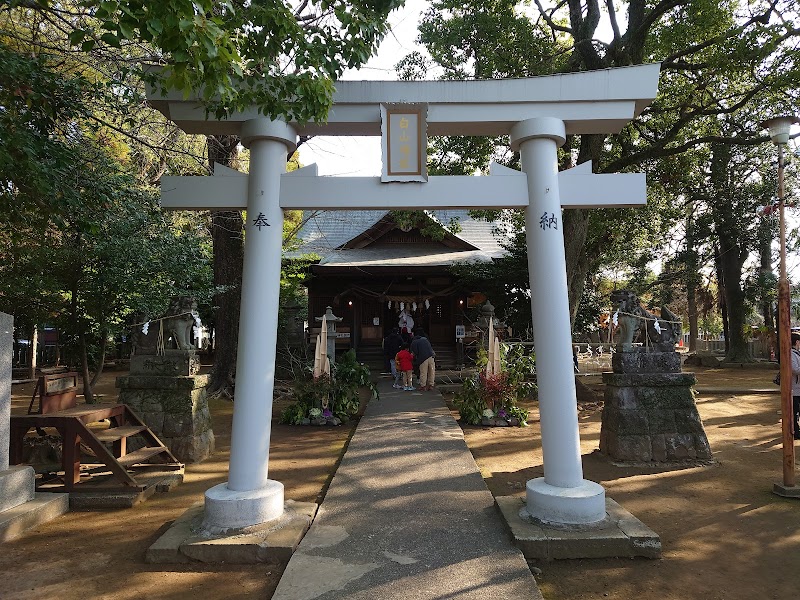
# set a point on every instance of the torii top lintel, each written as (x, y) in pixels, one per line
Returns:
(587, 102)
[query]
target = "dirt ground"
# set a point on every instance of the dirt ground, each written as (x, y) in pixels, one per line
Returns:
(724, 534)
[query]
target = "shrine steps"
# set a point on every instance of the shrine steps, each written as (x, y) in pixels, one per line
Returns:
(372, 356)
(96, 467)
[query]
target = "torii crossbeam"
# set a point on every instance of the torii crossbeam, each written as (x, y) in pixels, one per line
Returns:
(537, 114)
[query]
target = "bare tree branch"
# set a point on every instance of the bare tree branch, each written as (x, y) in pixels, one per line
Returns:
(548, 18)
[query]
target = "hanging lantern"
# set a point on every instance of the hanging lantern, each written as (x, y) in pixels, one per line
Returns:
(402, 306)
(390, 305)
(427, 303)
(413, 307)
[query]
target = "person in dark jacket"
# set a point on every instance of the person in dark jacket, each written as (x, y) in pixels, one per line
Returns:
(424, 357)
(391, 346)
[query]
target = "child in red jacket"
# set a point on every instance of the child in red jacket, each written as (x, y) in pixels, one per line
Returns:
(405, 364)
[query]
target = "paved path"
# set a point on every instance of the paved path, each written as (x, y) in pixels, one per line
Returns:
(407, 516)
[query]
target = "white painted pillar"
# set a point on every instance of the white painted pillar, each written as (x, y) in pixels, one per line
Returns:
(562, 495)
(250, 497)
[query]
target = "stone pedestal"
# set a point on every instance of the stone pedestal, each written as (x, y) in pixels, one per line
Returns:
(650, 412)
(20, 506)
(171, 399)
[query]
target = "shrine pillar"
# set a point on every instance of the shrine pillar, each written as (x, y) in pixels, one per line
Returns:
(249, 496)
(562, 495)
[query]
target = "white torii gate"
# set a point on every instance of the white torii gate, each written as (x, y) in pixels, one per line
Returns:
(537, 114)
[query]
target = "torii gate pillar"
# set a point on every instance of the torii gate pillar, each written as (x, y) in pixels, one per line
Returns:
(562, 495)
(538, 112)
(248, 496)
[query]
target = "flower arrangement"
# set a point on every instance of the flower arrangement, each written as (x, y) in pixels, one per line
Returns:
(492, 399)
(330, 399)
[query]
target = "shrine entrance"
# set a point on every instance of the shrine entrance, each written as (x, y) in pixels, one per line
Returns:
(537, 114)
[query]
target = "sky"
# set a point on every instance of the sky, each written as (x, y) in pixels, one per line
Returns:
(361, 156)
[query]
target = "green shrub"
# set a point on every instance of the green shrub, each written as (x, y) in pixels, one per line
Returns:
(294, 414)
(520, 369)
(469, 401)
(339, 392)
(518, 413)
(498, 394)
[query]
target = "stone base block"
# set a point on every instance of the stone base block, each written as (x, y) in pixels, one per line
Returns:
(17, 486)
(172, 364)
(619, 534)
(646, 362)
(272, 542)
(89, 496)
(175, 409)
(42, 508)
(227, 510)
(786, 491)
(577, 505)
(652, 417)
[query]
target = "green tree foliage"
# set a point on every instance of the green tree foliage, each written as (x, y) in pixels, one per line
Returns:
(38, 115)
(721, 62)
(281, 57)
(84, 246)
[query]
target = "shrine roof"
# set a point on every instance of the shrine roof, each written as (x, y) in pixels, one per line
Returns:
(325, 231)
(402, 256)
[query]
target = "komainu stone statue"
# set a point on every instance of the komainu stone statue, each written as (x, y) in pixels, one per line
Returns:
(164, 386)
(649, 412)
(635, 322)
(176, 323)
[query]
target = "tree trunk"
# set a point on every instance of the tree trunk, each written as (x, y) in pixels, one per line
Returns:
(79, 325)
(227, 234)
(731, 265)
(692, 278)
(721, 295)
(88, 394)
(691, 300)
(578, 250)
(765, 255)
(576, 228)
(34, 348)
(101, 360)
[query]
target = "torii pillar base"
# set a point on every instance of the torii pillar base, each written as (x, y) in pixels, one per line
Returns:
(618, 534)
(579, 505)
(227, 509)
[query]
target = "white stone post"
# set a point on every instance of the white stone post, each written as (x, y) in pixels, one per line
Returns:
(16, 482)
(250, 497)
(562, 495)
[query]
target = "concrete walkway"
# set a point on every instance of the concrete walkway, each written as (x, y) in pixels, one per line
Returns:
(407, 516)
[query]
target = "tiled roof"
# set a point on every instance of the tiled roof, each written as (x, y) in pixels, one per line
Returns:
(397, 256)
(327, 230)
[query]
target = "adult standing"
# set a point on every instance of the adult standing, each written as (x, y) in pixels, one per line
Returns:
(405, 322)
(424, 357)
(796, 383)
(391, 346)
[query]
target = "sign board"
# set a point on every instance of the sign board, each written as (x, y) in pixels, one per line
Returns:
(404, 142)
(56, 384)
(460, 332)
(57, 392)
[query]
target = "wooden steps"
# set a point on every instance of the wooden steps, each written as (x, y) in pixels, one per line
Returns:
(141, 456)
(112, 434)
(109, 446)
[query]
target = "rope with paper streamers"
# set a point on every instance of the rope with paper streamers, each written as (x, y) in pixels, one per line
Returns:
(160, 342)
(656, 325)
